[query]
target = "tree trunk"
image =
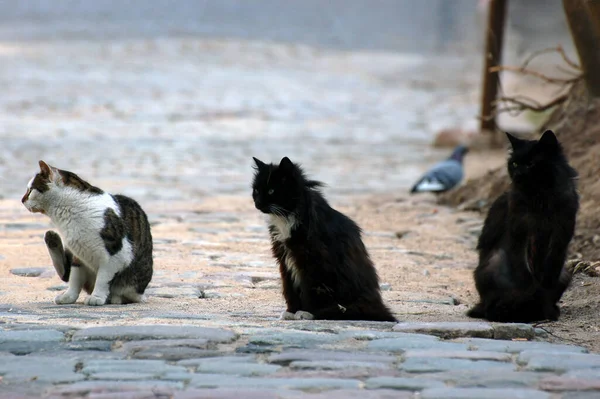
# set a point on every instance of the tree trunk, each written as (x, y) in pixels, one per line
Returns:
(594, 9)
(583, 24)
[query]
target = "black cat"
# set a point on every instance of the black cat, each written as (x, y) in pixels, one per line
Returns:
(523, 245)
(325, 268)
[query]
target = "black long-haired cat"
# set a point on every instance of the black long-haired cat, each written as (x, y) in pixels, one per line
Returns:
(523, 245)
(325, 268)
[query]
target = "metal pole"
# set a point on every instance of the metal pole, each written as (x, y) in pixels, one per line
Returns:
(493, 55)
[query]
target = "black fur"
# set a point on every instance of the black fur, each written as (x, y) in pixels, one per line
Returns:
(137, 230)
(113, 232)
(335, 277)
(523, 245)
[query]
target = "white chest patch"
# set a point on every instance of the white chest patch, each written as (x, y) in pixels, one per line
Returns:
(283, 227)
(282, 230)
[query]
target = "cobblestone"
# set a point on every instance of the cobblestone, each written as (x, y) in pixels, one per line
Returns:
(173, 122)
(153, 332)
(430, 364)
(449, 329)
(517, 346)
(487, 393)
(402, 383)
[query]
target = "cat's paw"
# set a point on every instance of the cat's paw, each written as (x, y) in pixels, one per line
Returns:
(287, 316)
(66, 298)
(94, 300)
(302, 315)
(52, 240)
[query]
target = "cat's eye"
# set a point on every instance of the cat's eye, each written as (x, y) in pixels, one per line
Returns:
(271, 191)
(514, 164)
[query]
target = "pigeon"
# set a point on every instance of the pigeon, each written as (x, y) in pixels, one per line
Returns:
(444, 175)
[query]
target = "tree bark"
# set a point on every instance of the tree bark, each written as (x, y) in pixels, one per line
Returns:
(493, 55)
(594, 10)
(584, 23)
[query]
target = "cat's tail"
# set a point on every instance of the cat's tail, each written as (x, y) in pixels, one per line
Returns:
(364, 309)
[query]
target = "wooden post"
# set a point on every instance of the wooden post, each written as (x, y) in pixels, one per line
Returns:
(586, 39)
(493, 55)
(594, 10)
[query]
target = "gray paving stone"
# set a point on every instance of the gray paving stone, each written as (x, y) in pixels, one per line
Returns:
(525, 356)
(230, 393)
(153, 332)
(473, 355)
(287, 357)
(514, 330)
(79, 355)
(234, 365)
(586, 374)
(298, 339)
(579, 395)
(154, 367)
(29, 271)
(31, 336)
(135, 346)
(255, 349)
(174, 292)
(25, 347)
(215, 366)
(494, 345)
(224, 381)
(347, 394)
(101, 346)
(448, 329)
(336, 365)
(173, 354)
(122, 376)
(367, 335)
(483, 393)
(562, 362)
(43, 348)
(562, 383)
(58, 287)
(485, 379)
(228, 359)
(405, 343)
(177, 376)
(431, 364)
(402, 383)
(41, 369)
(83, 388)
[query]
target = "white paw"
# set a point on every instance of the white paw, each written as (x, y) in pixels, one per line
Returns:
(66, 298)
(287, 316)
(302, 315)
(94, 300)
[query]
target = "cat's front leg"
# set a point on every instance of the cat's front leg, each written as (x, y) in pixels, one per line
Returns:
(106, 273)
(290, 293)
(77, 279)
(57, 255)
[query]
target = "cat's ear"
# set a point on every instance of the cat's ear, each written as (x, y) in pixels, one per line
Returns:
(286, 164)
(45, 169)
(259, 164)
(514, 141)
(548, 141)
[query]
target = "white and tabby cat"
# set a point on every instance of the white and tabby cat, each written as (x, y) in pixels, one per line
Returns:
(107, 240)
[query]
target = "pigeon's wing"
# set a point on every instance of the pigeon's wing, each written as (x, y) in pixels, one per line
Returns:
(441, 177)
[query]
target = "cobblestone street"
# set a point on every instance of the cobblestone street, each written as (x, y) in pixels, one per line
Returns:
(174, 122)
